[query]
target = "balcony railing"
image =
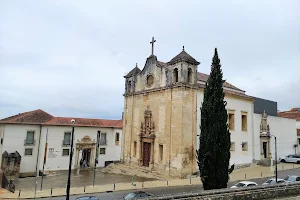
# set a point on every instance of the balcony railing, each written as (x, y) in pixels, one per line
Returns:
(103, 142)
(28, 142)
(66, 143)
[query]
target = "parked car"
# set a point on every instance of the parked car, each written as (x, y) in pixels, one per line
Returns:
(244, 184)
(137, 194)
(292, 178)
(291, 159)
(272, 181)
(87, 198)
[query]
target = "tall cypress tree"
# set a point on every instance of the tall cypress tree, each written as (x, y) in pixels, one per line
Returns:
(213, 154)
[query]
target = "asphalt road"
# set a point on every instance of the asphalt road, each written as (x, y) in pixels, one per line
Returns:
(175, 189)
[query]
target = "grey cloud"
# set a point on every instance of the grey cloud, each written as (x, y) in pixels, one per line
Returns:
(69, 57)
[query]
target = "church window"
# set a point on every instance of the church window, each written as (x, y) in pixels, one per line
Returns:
(28, 152)
(102, 151)
(231, 121)
(117, 139)
(67, 138)
(175, 75)
(161, 152)
(299, 141)
(245, 146)
(29, 138)
(66, 152)
(129, 86)
(150, 80)
(232, 146)
(190, 75)
(244, 121)
(134, 148)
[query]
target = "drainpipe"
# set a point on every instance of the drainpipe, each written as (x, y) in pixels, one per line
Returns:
(253, 132)
(38, 153)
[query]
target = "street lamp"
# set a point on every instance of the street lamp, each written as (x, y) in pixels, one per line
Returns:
(276, 174)
(70, 161)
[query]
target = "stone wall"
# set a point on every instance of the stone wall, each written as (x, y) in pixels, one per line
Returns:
(174, 116)
(260, 192)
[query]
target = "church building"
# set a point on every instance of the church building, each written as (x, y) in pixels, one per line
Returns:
(161, 123)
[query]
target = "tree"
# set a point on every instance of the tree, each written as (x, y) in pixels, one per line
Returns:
(213, 154)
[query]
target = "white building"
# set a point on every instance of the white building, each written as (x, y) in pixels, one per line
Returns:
(26, 133)
(294, 113)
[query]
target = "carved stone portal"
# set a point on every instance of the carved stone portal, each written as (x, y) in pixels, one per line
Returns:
(87, 145)
(265, 137)
(147, 139)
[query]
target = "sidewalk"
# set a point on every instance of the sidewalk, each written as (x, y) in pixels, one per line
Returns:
(252, 172)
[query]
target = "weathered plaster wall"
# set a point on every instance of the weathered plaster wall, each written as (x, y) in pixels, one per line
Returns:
(237, 106)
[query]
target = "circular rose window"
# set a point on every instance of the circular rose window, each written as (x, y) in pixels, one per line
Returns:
(150, 80)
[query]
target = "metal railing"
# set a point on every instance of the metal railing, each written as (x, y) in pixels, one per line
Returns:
(28, 142)
(66, 143)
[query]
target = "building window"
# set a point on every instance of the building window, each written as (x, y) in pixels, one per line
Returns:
(175, 75)
(299, 141)
(134, 148)
(244, 146)
(129, 86)
(28, 152)
(232, 146)
(103, 140)
(161, 152)
(66, 152)
(67, 138)
(29, 138)
(190, 75)
(117, 139)
(231, 121)
(244, 122)
(102, 151)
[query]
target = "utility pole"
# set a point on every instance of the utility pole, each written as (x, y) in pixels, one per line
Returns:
(276, 172)
(96, 156)
(70, 162)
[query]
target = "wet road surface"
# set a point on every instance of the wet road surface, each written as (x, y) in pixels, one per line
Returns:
(84, 178)
(176, 189)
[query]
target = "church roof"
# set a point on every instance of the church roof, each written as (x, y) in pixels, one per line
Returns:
(203, 77)
(32, 117)
(294, 113)
(133, 72)
(41, 117)
(184, 56)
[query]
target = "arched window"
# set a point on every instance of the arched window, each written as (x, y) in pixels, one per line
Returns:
(175, 75)
(190, 75)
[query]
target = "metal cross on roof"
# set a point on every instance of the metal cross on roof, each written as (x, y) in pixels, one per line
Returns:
(152, 42)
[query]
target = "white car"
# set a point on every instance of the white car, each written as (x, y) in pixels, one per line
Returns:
(272, 181)
(244, 184)
(291, 159)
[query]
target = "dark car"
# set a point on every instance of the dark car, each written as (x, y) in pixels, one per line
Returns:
(87, 198)
(138, 194)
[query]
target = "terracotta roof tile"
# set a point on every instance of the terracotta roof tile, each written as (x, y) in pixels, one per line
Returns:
(66, 121)
(41, 117)
(203, 77)
(32, 117)
(291, 114)
(229, 92)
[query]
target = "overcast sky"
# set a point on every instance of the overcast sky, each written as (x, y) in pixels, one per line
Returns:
(68, 58)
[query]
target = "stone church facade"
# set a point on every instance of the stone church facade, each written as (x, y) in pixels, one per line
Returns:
(160, 115)
(161, 121)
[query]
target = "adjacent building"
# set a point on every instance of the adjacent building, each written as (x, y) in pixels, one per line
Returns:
(32, 139)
